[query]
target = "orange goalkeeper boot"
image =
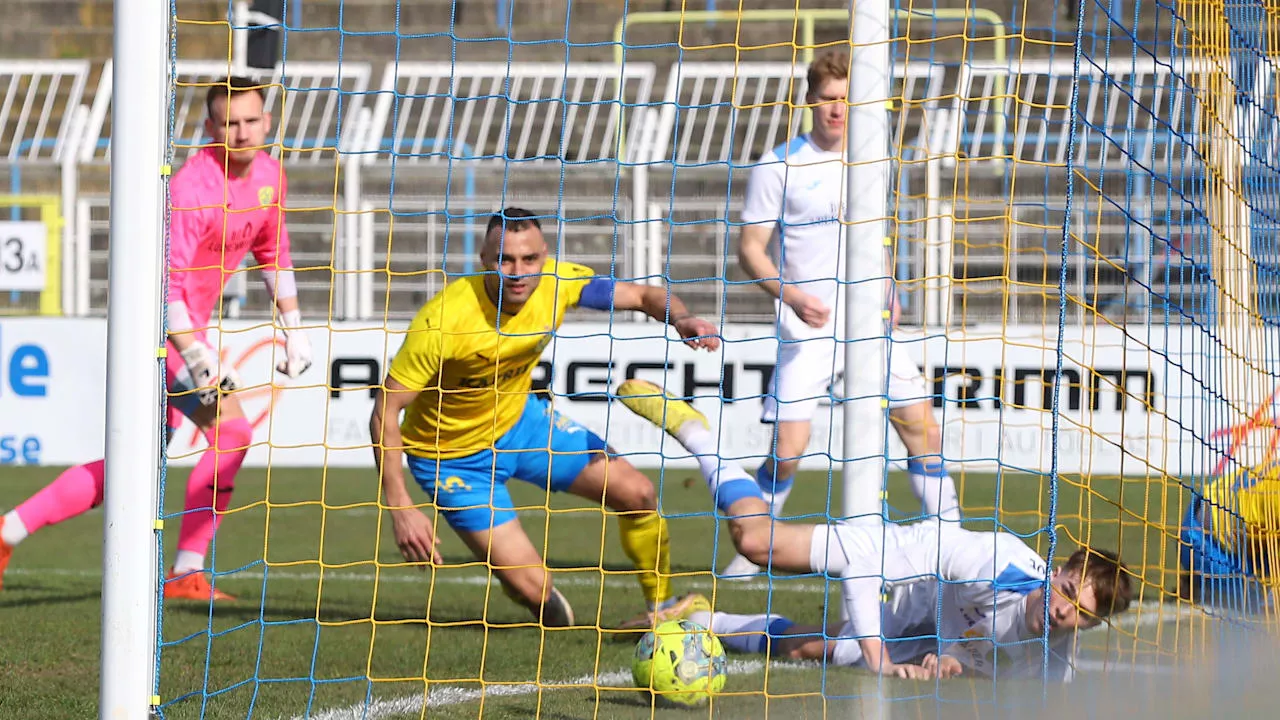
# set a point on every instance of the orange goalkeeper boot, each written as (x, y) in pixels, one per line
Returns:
(192, 585)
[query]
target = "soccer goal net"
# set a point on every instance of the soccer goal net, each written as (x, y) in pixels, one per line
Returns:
(1045, 234)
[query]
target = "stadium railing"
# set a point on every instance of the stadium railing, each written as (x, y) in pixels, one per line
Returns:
(41, 124)
(483, 121)
(1137, 118)
(494, 119)
(718, 118)
(311, 123)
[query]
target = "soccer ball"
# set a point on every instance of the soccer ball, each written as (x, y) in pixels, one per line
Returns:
(681, 662)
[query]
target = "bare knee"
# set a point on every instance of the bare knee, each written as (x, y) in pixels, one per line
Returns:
(752, 538)
(629, 490)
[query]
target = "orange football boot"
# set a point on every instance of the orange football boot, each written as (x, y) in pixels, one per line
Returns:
(192, 585)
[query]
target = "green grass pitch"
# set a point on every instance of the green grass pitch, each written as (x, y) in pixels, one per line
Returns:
(331, 619)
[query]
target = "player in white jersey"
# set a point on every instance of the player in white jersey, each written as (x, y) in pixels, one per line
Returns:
(981, 610)
(792, 244)
(992, 585)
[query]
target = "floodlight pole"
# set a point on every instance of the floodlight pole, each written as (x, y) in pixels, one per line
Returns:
(866, 200)
(134, 369)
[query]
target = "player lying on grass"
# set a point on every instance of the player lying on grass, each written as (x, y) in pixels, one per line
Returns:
(1230, 538)
(792, 205)
(992, 585)
(916, 632)
(463, 380)
(226, 201)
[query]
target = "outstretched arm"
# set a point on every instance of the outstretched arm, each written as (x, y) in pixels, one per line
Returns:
(665, 306)
(661, 305)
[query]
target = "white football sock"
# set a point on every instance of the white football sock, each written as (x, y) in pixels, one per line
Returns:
(937, 495)
(14, 530)
(777, 499)
(775, 491)
(187, 561)
(746, 633)
(698, 440)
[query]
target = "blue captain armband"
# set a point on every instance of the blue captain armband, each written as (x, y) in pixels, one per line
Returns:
(597, 294)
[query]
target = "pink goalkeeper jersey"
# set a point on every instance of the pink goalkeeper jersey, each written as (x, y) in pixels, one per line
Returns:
(217, 219)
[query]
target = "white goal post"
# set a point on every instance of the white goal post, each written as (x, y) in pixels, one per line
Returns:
(865, 214)
(134, 362)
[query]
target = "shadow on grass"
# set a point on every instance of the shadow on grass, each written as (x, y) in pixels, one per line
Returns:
(34, 595)
(297, 613)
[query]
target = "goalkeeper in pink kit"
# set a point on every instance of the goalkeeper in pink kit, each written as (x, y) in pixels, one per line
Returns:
(226, 201)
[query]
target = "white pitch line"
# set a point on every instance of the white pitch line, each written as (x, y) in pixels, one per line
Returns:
(456, 695)
(1116, 666)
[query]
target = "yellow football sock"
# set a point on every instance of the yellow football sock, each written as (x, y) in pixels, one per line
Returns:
(645, 541)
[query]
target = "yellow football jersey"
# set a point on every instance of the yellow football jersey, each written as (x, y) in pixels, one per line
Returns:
(474, 371)
(1244, 513)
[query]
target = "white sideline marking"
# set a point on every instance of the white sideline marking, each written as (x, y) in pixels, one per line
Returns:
(1117, 666)
(456, 695)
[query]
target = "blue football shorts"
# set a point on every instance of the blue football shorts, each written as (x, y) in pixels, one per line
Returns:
(544, 448)
(1222, 578)
(1201, 551)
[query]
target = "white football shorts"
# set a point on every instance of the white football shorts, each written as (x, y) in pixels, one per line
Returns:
(807, 368)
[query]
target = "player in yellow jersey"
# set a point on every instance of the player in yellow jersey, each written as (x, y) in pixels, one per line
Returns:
(463, 380)
(1230, 537)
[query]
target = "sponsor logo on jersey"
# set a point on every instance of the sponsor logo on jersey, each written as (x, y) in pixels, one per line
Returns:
(502, 376)
(452, 483)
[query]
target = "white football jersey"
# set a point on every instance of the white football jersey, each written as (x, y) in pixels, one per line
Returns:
(983, 579)
(800, 189)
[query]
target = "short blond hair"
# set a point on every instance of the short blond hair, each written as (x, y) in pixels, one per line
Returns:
(830, 65)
